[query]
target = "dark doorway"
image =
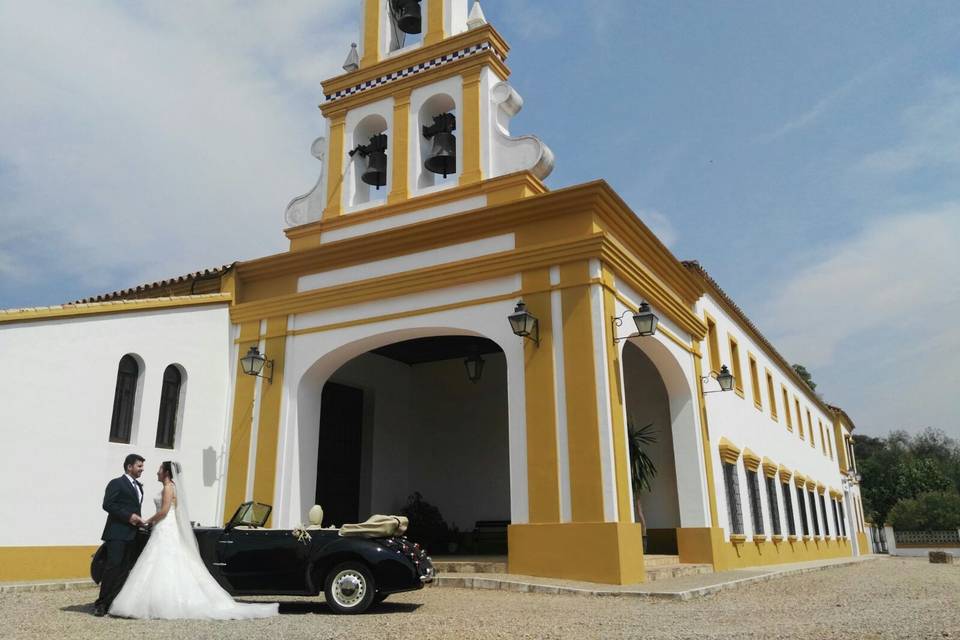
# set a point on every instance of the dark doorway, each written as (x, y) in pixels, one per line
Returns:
(338, 457)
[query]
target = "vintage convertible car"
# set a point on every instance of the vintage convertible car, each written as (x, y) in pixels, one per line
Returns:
(353, 572)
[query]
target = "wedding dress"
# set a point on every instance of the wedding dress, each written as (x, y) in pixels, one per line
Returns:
(170, 581)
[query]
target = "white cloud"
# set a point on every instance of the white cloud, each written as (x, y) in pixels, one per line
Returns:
(874, 318)
(931, 133)
(153, 139)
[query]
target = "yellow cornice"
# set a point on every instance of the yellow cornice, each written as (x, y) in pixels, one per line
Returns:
(799, 479)
(785, 474)
(111, 306)
(493, 58)
(751, 460)
(770, 468)
(519, 182)
(729, 452)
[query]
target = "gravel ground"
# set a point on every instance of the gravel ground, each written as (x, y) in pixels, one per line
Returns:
(889, 598)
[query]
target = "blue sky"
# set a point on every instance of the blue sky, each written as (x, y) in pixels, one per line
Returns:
(808, 154)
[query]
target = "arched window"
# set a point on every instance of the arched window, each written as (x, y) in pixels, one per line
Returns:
(169, 407)
(124, 398)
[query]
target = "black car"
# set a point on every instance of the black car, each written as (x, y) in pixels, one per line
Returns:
(353, 572)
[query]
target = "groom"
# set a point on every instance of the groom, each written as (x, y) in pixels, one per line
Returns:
(121, 501)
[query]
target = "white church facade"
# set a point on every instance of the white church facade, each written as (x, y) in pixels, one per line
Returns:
(408, 260)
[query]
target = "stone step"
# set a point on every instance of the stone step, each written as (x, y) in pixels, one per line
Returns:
(667, 571)
(469, 566)
(653, 560)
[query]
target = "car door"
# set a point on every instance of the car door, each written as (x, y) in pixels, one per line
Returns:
(262, 561)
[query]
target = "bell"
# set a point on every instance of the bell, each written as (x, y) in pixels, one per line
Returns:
(406, 13)
(443, 152)
(375, 153)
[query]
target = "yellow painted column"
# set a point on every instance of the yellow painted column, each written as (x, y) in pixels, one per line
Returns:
(470, 128)
(435, 20)
(542, 475)
(268, 425)
(615, 376)
(705, 434)
(400, 148)
(583, 432)
(335, 172)
(239, 452)
(371, 32)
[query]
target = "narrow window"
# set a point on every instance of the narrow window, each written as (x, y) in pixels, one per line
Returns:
(735, 358)
(786, 408)
(773, 505)
(796, 403)
(788, 508)
(823, 437)
(810, 427)
(771, 396)
(756, 509)
(169, 406)
(829, 443)
(755, 382)
(836, 517)
(714, 345)
(813, 512)
(843, 518)
(733, 498)
(124, 397)
(802, 508)
(823, 516)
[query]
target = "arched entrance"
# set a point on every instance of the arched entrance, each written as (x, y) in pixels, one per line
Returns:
(399, 415)
(658, 391)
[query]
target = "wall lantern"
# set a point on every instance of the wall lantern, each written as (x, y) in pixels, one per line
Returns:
(645, 320)
(253, 363)
(525, 324)
(474, 365)
(725, 378)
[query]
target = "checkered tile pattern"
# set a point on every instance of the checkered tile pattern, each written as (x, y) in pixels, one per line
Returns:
(412, 71)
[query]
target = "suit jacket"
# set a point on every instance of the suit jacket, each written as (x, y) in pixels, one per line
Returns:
(120, 500)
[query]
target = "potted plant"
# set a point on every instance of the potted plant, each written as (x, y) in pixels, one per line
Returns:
(427, 526)
(642, 469)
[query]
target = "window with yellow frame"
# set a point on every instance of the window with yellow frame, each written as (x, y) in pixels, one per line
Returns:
(771, 395)
(755, 381)
(786, 407)
(796, 403)
(735, 363)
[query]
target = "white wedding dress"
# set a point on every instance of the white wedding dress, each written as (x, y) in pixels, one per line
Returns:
(170, 581)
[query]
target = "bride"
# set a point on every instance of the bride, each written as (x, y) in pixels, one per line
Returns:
(170, 581)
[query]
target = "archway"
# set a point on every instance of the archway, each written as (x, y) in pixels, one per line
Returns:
(397, 415)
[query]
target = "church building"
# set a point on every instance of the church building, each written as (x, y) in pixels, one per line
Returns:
(442, 323)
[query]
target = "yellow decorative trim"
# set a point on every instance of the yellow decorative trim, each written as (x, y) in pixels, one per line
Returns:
(371, 33)
(401, 140)
(698, 541)
(751, 460)
(792, 538)
(755, 381)
(821, 488)
(786, 407)
(112, 306)
(242, 417)
(759, 538)
(435, 21)
(737, 538)
(811, 485)
(543, 489)
(836, 495)
(776, 539)
(335, 170)
(472, 171)
(268, 425)
(30, 564)
(785, 474)
(729, 452)
(713, 343)
(799, 479)
(769, 468)
(614, 374)
(735, 364)
(772, 395)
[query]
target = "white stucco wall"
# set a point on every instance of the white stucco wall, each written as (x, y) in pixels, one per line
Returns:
(59, 381)
(738, 419)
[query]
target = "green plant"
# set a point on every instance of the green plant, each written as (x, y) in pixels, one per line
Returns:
(642, 469)
(427, 526)
(934, 511)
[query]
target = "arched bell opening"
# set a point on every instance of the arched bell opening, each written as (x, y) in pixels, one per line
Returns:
(439, 161)
(369, 170)
(405, 23)
(658, 404)
(426, 415)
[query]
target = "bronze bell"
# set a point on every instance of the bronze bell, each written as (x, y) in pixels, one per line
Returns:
(443, 152)
(376, 155)
(406, 13)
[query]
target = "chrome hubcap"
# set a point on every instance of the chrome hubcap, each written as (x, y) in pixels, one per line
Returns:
(349, 588)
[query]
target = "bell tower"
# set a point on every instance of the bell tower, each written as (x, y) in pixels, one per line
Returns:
(422, 112)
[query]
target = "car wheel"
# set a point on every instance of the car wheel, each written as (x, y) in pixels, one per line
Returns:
(350, 588)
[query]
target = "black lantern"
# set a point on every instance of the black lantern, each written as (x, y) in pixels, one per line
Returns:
(474, 365)
(525, 324)
(725, 378)
(406, 14)
(375, 153)
(443, 152)
(253, 363)
(645, 320)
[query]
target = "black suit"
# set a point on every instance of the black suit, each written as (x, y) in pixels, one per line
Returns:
(120, 501)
